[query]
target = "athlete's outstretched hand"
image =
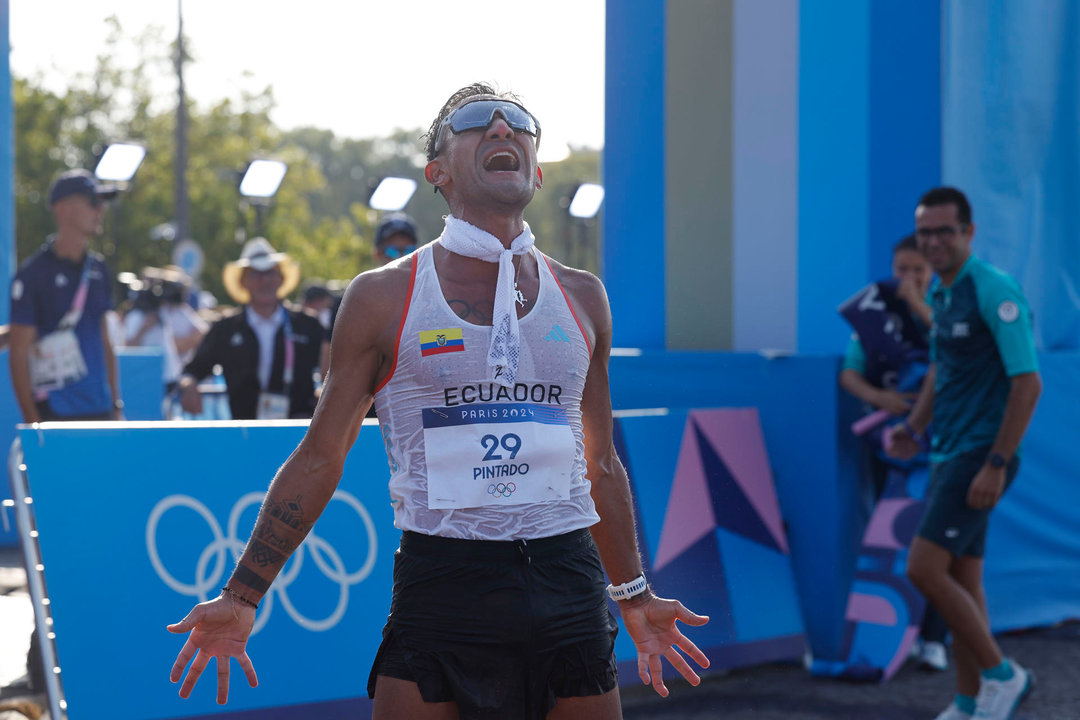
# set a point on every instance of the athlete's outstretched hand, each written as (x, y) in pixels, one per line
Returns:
(219, 629)
(650, 620)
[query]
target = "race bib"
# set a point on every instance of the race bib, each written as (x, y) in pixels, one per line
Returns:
(497, 454)
(56, 361)
(272, 406)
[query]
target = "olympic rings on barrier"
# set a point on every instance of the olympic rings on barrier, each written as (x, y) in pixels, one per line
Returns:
(503, 489)
(214, 560)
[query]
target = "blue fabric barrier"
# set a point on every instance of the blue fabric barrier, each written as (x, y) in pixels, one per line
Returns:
(140, 386)
(710, 532)
(1010, 108)
(815, 459)
(1032, 570)
(139, 521)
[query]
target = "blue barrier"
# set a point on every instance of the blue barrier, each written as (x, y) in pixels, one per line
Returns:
(106, 493)
(140, 386)
(139, 521)
(804, 419)
(1032, 571)
(710, 532)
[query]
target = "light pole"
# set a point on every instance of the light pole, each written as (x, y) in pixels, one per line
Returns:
(584, 205)
(181, 191)
(117, 165)
(258, 185)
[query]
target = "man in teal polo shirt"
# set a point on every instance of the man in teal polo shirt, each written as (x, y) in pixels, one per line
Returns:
(981, 392)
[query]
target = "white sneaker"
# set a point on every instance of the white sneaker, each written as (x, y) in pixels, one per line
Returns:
(953, 713)
(933, 656)
(998, 699)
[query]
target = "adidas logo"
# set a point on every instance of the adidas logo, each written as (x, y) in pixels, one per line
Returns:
(557, 335)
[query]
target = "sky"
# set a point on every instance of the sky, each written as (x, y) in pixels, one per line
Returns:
(360, 68)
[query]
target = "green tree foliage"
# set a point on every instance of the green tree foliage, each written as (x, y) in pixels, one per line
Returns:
(319, 214)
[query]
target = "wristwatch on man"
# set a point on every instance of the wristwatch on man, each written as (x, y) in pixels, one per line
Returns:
(996, 461)
(628, 590)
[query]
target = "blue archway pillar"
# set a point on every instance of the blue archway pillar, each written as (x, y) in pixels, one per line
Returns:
(762, 157)
(7, 166)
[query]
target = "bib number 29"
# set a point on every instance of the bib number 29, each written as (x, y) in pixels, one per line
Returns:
(509, 442)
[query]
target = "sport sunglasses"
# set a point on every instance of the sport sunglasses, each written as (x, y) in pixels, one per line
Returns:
(478, 114)
(394, 252)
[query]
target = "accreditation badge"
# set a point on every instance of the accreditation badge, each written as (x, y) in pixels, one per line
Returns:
(491, 454)
(56, 361)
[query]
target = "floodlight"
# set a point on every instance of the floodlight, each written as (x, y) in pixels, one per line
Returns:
(392, 193)
(587, 200)
(262, 178)
(119, 162)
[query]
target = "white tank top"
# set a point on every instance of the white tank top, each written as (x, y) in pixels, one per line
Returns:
(470, 458)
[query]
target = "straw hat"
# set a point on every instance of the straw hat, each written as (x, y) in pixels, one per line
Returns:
(259, 255)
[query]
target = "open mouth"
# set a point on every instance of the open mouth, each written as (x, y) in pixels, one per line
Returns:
(502, 161)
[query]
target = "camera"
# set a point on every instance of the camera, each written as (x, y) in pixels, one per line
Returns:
(157, 292)
(156, 287)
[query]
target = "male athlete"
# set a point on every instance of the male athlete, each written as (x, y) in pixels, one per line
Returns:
(504, 478)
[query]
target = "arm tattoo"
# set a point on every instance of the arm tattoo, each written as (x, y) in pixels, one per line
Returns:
(290, 512)
(472, 312)
(244, 575)
(280, 529)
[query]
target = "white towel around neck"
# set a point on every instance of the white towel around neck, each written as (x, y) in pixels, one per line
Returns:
(464, 239)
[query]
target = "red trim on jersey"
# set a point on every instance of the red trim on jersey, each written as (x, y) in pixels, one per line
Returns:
(401, 326)
(569, 305)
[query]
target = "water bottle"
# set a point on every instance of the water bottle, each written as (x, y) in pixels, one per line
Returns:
(219, 397)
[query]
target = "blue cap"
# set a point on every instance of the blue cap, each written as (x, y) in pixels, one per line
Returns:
(79, 182)
(396, 224)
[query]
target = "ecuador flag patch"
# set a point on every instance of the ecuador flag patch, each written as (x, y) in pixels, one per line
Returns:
(436, 342)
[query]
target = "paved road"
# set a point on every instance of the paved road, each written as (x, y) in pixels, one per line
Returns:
(787, 692)
(774, 692)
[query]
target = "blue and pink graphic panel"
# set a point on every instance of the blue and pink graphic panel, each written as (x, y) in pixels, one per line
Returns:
(711, 531)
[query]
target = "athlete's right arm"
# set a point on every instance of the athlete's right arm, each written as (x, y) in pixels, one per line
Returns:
(360, 356)
(23, 338)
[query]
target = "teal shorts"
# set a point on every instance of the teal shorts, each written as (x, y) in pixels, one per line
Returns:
(948, 520)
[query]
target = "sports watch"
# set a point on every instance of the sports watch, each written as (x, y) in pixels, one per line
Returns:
(628, 590)
(996, 461)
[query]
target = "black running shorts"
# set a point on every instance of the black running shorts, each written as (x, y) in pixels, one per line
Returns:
(502, 629)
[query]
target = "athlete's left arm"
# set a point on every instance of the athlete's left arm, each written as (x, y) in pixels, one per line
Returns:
(649, 619)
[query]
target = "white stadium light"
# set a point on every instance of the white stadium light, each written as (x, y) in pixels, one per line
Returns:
(119, 162)
(587, 200)
(262, 178)
(392, 194)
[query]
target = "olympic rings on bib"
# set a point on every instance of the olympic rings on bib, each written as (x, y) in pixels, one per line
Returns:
(501, 489)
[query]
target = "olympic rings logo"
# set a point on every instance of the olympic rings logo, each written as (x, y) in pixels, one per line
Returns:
(213, 561)
(503, 489)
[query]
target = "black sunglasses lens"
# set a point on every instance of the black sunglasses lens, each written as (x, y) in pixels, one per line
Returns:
(479, 114)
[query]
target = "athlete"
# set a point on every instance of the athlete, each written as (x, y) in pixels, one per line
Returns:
(981, 393)
(487, 364)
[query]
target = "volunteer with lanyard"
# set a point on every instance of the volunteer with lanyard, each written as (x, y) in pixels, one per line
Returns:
(62, 367)
(268, 353)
